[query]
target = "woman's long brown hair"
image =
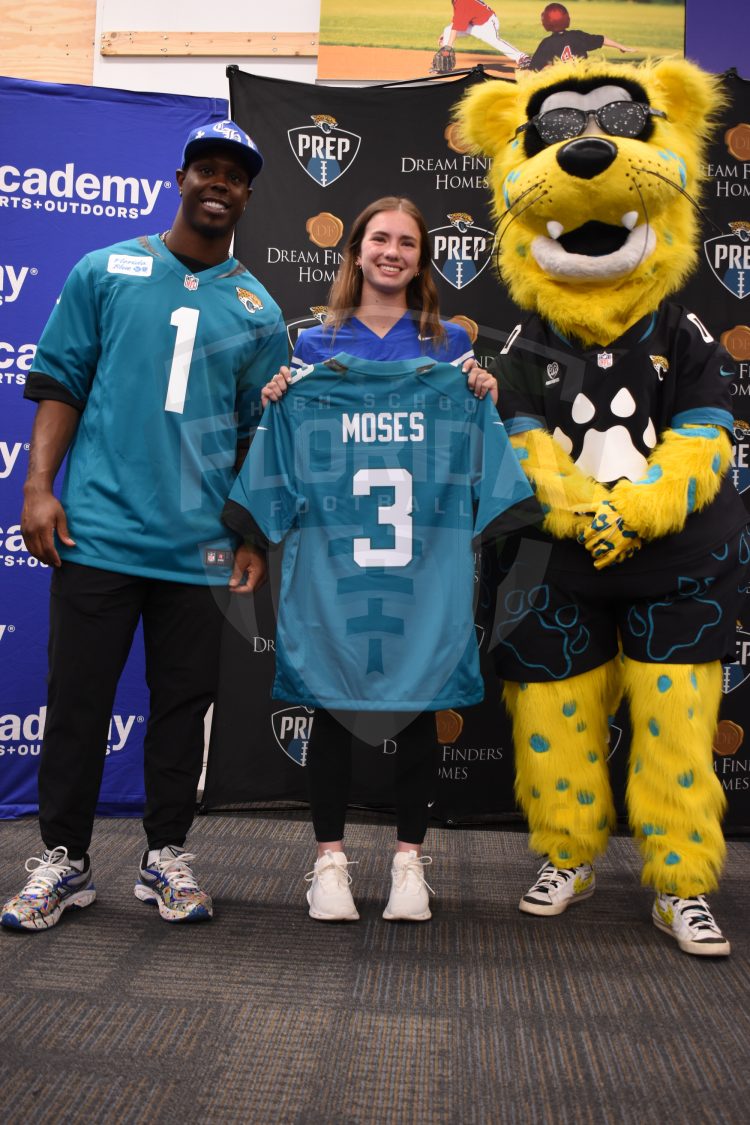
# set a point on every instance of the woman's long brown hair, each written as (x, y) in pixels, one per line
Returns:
(421, 295)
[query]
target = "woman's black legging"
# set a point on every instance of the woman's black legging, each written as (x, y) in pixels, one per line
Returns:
(329, 772)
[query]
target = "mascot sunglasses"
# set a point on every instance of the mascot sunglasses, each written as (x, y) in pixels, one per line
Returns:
(617, 119)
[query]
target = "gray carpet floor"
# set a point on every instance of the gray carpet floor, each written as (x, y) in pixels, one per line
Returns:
(263, 1015)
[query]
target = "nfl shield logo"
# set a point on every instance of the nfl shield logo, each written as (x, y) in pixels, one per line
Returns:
(291, 729)
(461, 251)
(604, 359)
(324, 150)
(190, 282)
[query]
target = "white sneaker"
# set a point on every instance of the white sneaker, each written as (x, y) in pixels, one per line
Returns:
(557, 887)
(409, 900)
(329, 896)
(691, 924)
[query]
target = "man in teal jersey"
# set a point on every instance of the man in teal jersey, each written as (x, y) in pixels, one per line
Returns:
(147, 375)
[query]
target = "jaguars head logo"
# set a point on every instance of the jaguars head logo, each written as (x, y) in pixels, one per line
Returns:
(461, 220)
(590, 163)
(324, 121)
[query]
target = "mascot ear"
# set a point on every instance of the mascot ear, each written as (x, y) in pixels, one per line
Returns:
(488, 115)
(689, 96)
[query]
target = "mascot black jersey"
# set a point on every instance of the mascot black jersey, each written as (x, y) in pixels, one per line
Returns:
(378, 477)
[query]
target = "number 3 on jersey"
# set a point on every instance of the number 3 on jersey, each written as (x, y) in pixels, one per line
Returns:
(397, 514)
(186, 322)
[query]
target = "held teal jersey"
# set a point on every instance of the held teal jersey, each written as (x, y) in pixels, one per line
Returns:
(378, 477)
(166, 368)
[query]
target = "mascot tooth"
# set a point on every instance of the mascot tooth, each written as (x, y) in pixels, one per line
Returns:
(618, 406)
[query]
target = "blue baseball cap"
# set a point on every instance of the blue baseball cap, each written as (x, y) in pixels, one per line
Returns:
(228, 134)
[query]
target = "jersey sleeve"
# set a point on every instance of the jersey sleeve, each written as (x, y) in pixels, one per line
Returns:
(704, 377)
(520, 393)
(266, 489)
(68, 351)
(460, 347)
(309, 348)
(504, 500)
(272, 352)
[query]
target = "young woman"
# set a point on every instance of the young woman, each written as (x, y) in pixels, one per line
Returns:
(383, 306)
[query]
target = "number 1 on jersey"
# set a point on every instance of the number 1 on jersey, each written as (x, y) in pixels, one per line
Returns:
(398, 514)
(186, 322)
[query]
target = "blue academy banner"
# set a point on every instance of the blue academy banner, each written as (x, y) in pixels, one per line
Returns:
(80, 168)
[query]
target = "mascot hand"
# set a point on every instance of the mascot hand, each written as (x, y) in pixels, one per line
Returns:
(607, 537)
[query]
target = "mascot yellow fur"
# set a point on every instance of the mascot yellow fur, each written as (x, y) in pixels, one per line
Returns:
(617, 403)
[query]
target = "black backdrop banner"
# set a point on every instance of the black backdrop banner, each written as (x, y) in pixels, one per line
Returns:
(330, 151)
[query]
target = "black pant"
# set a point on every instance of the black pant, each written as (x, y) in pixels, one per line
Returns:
(329, 771)
(93, 616)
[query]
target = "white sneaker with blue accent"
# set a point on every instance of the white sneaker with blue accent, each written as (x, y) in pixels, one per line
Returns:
(557, 887)
(169, 882)
(53, 886)
(690, 922)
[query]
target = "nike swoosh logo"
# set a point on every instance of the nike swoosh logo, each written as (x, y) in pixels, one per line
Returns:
(727, 374)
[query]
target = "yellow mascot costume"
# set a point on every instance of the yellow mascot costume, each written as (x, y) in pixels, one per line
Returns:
(618, 407)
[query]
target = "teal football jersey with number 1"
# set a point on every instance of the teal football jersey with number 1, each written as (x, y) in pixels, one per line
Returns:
(167, 367)
(378, 477)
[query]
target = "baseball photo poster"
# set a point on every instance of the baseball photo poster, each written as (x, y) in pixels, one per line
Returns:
(388, 40)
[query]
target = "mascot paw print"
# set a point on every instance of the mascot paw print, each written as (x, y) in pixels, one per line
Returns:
(645, 624)
(559, 636)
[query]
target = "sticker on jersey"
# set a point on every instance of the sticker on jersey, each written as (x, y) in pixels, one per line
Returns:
(294, 327)
(217, 556)
(190, 282)
(604, 359)
(739, 470)
(734, 675)
(324, 150)
(728, 255)
(462, 250)
(291, 729)
(553, 374)
(249, 301)
(130, 264)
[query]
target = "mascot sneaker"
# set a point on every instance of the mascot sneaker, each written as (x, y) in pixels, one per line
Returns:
(169, 882)
(54, 885)
(409, 900)
(691, 924)
(557, 887)
(329, 897)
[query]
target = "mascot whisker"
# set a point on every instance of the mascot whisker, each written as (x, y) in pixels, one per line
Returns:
(618, 406)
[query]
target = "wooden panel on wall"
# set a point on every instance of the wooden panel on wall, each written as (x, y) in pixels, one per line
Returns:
(232, 44)
(48, 42)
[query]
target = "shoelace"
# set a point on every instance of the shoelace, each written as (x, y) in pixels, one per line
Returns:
(551, 877)
(335, 869)
(415, 868)
(178, 873)
(695, 911)
(46, 873)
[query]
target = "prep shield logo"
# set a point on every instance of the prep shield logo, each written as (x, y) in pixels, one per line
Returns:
(739, 471)
(734, 675)
(291, 729)
(294, 327)
(728, 255)
(462, 250)
(324, 150)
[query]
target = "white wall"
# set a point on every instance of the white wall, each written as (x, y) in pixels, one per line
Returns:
(201, 76)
